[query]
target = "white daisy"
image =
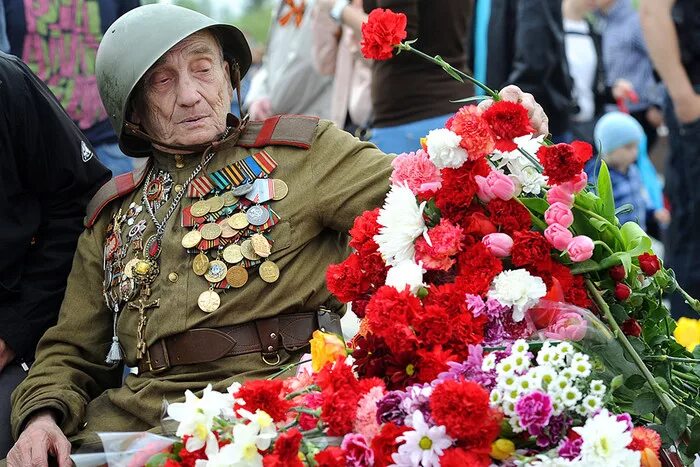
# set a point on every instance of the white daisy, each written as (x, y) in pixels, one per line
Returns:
(423, 445)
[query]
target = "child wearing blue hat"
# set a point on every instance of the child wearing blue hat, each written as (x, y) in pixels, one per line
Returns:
(620, 140)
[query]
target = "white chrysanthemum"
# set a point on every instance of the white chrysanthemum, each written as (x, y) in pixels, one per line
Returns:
(525, 384)
(519, 347)
(406, 273)
(505, 368)
(423, 445)
(519, 289)
(508, 408)
(489, 362)
(514, 422)
(559, 384)
(544, 356)
(531, 181)
(566, 348)
(444, 149)
(542, 376)
(591, 404)
(520, 362)
(401, 221)
(507, 382)
(570, 396)
(581, 368)
(196, 418)
(605, 440)
(598, 387)
(495, 397)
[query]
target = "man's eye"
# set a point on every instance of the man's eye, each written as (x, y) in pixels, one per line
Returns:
(204, 70)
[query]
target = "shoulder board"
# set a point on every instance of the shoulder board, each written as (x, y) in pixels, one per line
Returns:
(281, 130)
(115, 188)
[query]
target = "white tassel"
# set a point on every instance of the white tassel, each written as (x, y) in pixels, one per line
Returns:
(115, 355)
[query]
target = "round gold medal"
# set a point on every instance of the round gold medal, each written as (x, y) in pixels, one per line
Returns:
(209, 301)
(280, 189)
(129, 268)
(200, 208)
(191, 239)
(237, 277)
(260, 245)
(217, 271)
(226, 230)
(248, 251)
(200, 265)
(238, 221)
(211, 231)
(232, 254)
(215, 203)
(269, 272)
(229, 198)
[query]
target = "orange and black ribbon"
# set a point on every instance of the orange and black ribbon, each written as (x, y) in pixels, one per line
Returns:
(296, 11)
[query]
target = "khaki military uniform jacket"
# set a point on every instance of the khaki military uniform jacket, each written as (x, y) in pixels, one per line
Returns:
(331, 182)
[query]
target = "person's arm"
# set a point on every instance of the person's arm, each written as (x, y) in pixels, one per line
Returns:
(61, 170)
(354, 17)
(326, 36)
(662, 43)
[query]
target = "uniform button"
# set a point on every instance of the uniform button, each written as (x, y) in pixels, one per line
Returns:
(178, 188)
(172, 277)
(179, 161)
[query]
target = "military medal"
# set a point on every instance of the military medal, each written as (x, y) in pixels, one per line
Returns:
(200, 209)
(257, 215)
(269, 272)
(191, 239)
(260, 245)
(209, 301)
(229, 198)
(248, 251)
(129, 268)
(226, 230)
(232, 254)
(237, 277)
(200, 264)
(238, 221)
(217, 271)
(215, 203)
(211, 231)
(242, 189)
(279, 189)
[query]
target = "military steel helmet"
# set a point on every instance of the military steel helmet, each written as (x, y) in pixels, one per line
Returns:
(133, 44)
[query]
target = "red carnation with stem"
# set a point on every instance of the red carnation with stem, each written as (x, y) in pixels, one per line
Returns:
(383, 31)
(508, 120)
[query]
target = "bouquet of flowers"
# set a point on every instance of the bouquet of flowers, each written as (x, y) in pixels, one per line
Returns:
(507, 319)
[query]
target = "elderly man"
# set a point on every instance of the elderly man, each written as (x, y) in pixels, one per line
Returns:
(207, 265)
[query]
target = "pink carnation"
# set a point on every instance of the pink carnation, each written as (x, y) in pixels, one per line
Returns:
(534, 410)
(446, 241)
(366, 417)
(357, 451)
(417, 171)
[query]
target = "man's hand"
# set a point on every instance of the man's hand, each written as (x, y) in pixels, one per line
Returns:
(623, 89)
(40, 437)
(260, 109)
(512, 93)
(6, 354)
(688, 109)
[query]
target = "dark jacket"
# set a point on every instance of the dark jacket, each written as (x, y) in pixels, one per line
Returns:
(526, 48)
(48, 175)
(686, 16)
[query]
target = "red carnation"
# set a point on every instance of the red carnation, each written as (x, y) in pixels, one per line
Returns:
(190, 458)
(346, 280)
(631, 328)
(463, 408)
(430, 325)
(389, 314)
(330, 457)
(432, 363)
(383, 31)
(510, 216)
(508, 120)
(265, 395)
(374, 269)
(649, 264)
(645, 438)
(385, 444)
(458, 457)
(582, 150)
(459, 188)
(561, 162)
(617, 273)
(529, 248)
(476, 268)
(363, 231)
(172, 463)
(577, 293)
(477, 224)
(445, 243)
(477, 138)
(286, 452)
(622, 292)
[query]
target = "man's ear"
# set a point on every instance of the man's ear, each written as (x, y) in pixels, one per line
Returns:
(227, 72)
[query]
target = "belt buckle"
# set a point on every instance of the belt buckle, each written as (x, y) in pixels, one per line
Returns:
(166, 360)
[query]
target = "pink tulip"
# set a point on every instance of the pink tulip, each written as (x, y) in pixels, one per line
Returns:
(495, 185)
(559, 213)
(499, 244)
(568, 326)
(559, 194)
(577, 183)
(580, 248)
(558, 236)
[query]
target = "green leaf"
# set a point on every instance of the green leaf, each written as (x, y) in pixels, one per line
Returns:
(537, 205)
(635, 382)
(470, 99)
(616, 383)
(620, 257)
(676, 422)
(694, 443)
(647, 402)
(598, 224)
(619, 313)
(585, 266)
(605, 193)
(638, 345)
(624, 209)
(661, 430)
(636, 240)
(450, 71)
(158, 460)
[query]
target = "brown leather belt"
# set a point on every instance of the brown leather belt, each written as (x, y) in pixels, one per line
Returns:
(267, 336)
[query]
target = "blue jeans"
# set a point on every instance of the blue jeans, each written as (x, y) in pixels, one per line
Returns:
(406, 137)
(114, 159)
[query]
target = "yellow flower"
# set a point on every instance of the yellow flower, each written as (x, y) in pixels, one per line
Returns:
(325, 348)
(502, 449)
(687, 333)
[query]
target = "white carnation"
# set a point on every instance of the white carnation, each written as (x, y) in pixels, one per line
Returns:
(401, 221)
(519, 289)
(444, 149)
(406, 273)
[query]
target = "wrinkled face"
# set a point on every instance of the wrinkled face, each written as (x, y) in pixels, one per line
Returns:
(187, 93)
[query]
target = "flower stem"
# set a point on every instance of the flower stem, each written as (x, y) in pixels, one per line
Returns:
(532, 159)
(620, 336)
(692, 302)
(604, 245)
(668, 358)
(449, 69)
(287, 368)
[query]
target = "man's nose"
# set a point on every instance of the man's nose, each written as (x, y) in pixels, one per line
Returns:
(188, 93)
